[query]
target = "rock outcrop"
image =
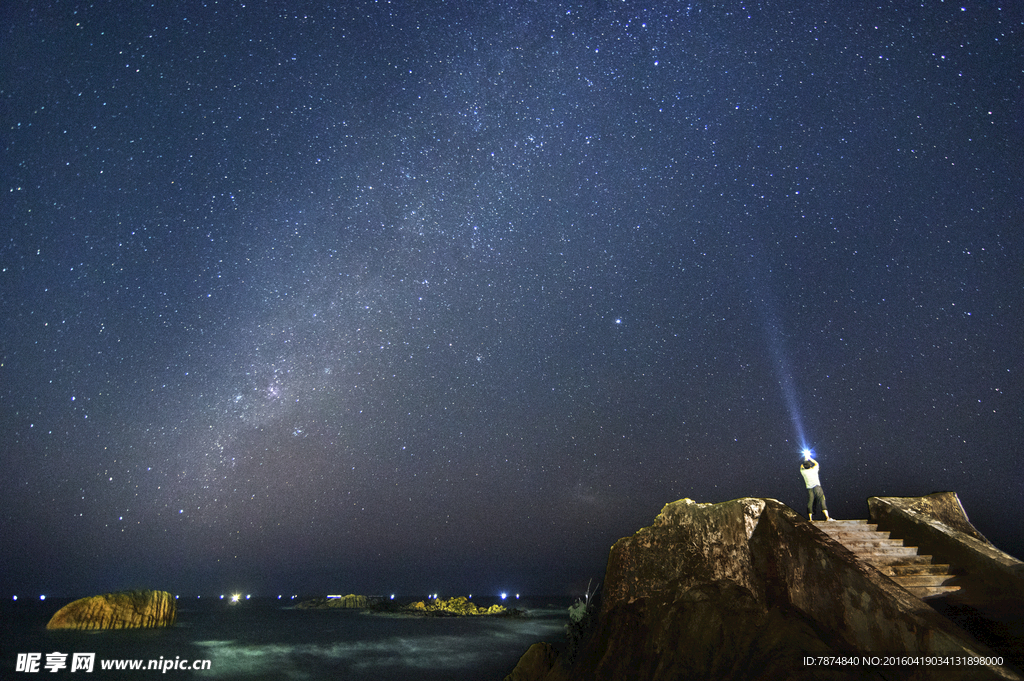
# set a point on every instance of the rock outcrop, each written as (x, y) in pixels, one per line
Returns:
(535, 663)
(459, 605)
(350, 601)
(123, 610)
(748, 589)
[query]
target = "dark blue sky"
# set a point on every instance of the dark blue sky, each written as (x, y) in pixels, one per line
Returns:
(408, 296)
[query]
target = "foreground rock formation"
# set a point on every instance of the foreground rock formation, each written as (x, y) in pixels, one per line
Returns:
(123, 610)
(747, 589)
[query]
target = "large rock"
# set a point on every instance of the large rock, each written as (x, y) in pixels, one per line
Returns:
(123, 610)
(747, 589)
(535, 663)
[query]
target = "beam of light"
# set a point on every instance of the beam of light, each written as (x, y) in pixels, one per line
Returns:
(786, 382)
(760, 284)
(789, 394)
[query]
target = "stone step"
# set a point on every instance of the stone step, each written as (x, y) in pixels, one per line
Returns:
(924, 580)
(868, 543)
(924, 592)
(915, 573)
(895, 561)
(886, 552)
(864, 535)
(854, 534)
(846, 526)
(913, 569)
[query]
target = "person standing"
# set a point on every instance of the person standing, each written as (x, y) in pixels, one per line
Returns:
(809, 471)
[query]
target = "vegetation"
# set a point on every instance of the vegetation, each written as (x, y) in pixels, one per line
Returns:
(459, 605)
(582, 615)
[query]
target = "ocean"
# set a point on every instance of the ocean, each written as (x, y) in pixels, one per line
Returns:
(268, 639)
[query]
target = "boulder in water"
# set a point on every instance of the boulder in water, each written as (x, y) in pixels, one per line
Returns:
(123, 610)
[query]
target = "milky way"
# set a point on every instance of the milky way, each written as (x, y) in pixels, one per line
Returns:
(449, 298)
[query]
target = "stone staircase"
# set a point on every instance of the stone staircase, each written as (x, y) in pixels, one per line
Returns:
(917, 574)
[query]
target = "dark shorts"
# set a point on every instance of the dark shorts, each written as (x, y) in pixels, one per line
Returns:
(816, 494)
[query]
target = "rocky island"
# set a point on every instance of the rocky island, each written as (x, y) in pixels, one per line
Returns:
(344, 602)
(458, 606)
(122, 610)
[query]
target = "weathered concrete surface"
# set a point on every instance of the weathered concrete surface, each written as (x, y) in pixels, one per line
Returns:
(938, 526)
(990, 602)
(747, 589)
(123, 610)
(871, 613)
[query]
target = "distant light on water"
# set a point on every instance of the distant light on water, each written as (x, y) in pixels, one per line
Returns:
(15, 597)
(504, 595)
(42, 597)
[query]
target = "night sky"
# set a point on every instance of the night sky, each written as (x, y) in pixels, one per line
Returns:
(422, 296)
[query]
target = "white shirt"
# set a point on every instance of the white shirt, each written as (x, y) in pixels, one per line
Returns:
(810, 475)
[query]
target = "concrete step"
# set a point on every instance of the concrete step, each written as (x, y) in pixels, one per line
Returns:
(913, 569)
(843, 535)
(850, 532)
(925, 592)
(886, 552)
(924, 580)
(868, 543)
(846, 526)
(915, 573)
(896, 561)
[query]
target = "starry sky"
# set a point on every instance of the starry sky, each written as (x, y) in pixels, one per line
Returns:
(422, 296)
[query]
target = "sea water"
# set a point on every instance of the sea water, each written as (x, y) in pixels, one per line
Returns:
(268, 639)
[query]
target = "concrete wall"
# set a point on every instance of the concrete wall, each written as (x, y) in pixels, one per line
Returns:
(824, 580)
(938, 526)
